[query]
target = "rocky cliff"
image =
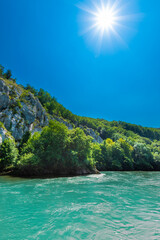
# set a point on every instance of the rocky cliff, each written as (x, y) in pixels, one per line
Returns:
(21, 111)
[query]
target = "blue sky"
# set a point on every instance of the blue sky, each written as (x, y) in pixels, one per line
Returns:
(42, 45)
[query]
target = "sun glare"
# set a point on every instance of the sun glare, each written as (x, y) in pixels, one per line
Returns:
(107, 21)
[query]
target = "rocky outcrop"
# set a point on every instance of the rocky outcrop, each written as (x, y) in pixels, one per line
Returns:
(3, 87)
(68, 125)
(4, 101)
(91, 132)
(4, 133)
(97, 138)
(20, 111)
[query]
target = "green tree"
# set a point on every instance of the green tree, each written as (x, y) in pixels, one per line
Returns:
(156, 163)
(31, 89)
(24, 140)
(56, 150)
(97, 155)
(106, 148)
(143, 157)
(46, 149)
(8, 74)
(8, 154)
(81, 144)
(127, 162)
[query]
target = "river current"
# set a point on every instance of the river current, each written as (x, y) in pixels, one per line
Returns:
(112, 205)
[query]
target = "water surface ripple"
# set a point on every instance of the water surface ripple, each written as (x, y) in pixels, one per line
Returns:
(113, 205)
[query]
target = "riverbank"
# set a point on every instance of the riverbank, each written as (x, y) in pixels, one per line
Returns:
(78, 172)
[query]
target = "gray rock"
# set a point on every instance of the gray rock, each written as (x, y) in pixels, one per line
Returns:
(3, 87)
(20, 114)
(68, 125)
(28, 114)
(4, 101)
(96, 138)
(4, 134)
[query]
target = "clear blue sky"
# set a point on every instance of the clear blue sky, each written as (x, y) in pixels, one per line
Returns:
(41, 43)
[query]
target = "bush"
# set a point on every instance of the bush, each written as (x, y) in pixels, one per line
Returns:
(8, 74)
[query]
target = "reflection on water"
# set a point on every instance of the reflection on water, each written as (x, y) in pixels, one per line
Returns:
(113, 205)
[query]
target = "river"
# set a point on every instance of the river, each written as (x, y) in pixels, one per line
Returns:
(112, 205)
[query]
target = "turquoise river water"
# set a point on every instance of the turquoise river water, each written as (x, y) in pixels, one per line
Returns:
(112, 205)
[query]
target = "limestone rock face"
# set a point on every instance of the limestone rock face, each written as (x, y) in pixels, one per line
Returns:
(4, 101)
(91, 132)
(68, 125)
(4, 88)
(4, 134)
(20, 111)
(97, 138)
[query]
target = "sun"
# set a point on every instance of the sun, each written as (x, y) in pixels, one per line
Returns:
(105, 22)
(105, 19)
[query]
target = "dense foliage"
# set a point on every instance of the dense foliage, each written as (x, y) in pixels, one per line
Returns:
(55, 150)
(8, 154)
(59, 151)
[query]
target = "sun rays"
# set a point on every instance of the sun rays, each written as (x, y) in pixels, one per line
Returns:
(106, 21)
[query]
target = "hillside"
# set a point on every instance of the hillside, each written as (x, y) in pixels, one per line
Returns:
(40, 137)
